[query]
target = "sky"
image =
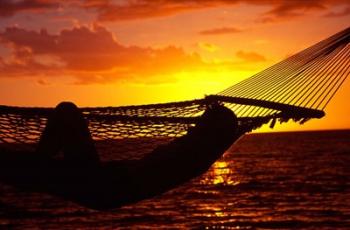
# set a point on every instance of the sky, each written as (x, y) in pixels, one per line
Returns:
(127, 52)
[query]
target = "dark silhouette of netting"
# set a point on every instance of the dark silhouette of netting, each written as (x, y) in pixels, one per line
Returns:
(298, 88)
(148, 124)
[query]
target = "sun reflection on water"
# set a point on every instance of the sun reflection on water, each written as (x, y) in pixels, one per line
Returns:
(220, 174)
(212, 211)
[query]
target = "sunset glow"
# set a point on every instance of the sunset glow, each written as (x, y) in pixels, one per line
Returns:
(110, 53)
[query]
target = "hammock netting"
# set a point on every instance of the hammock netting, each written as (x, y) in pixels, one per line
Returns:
(298, 88)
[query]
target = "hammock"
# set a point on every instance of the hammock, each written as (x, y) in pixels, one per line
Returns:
(298, 88)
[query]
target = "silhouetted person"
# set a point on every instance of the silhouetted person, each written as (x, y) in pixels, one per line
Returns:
(67, 131)
(84, 179)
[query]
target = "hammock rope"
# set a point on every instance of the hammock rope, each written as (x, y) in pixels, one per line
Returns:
(298, 88)
(298, 79)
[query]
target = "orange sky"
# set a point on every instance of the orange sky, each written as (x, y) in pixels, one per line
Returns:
(99, 53)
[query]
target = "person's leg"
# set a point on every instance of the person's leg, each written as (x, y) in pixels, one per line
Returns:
(67, 131)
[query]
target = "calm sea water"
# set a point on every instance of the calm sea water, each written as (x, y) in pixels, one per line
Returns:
(265, 181)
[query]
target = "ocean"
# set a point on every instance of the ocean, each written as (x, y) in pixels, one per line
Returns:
(298, 180)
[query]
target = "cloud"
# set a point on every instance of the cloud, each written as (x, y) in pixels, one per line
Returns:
(344, 12)
(42, 82)
(250, 56)
(220, 31)
(11, 7)
(291, 9)
(285, 10)
(118, 10)
(90, 54)
(208, 46)
(141, 9)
